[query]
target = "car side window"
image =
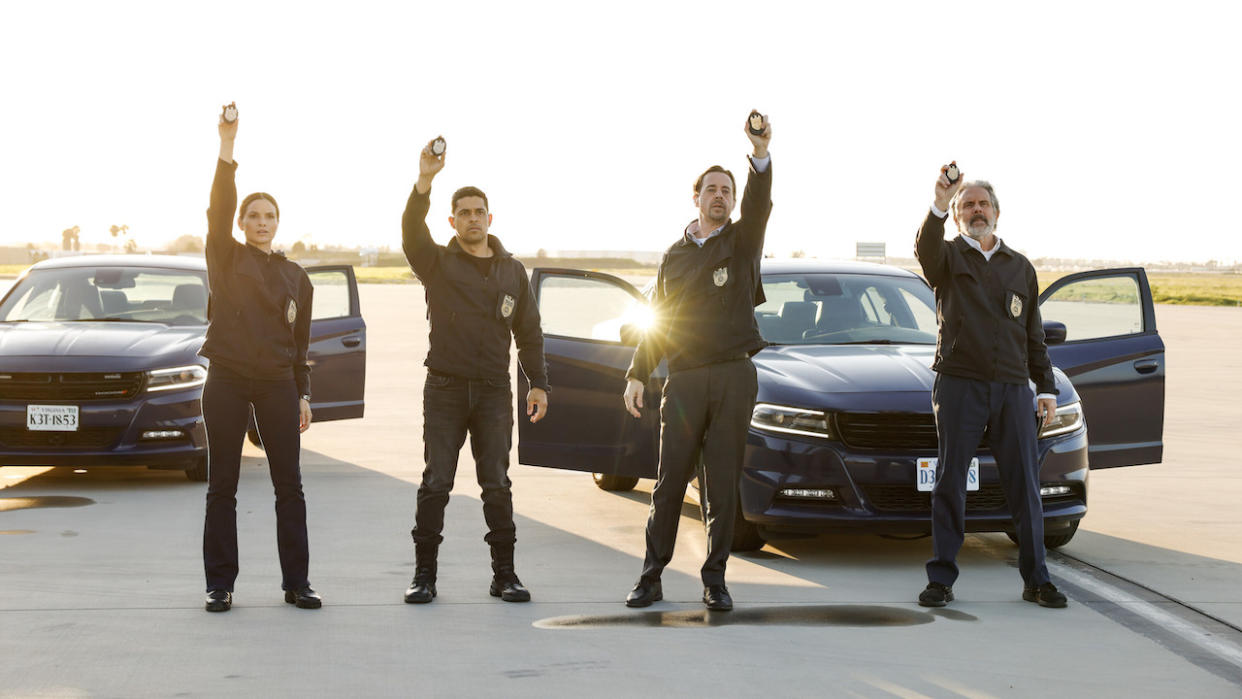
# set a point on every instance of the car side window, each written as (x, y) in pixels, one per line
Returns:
(588, 309)
(331, 294)
(1096, 307)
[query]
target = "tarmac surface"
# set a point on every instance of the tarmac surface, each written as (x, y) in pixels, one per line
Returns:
(101, 576)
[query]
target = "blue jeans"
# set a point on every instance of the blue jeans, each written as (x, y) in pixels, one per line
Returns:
(452, 407)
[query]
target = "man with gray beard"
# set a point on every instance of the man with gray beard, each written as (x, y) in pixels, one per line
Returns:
(990, 346)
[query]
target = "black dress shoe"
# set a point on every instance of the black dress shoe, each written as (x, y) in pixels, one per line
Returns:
(509, 589)
(935, 595)
(219, 601)
(1046, 595)
(644, 593)
(717, 598)
(304, 597)
(420, 592)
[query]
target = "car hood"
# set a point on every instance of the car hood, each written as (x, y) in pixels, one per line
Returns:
(109, 346)
(855, 377)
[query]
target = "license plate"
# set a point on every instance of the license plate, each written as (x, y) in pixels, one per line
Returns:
(925, 475)
(52, 418)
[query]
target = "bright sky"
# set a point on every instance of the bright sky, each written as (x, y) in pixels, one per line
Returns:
(1110, 130)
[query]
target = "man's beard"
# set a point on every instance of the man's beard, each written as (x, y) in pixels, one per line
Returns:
(978, 232)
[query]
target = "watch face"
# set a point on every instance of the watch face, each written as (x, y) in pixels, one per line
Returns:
(438, 146)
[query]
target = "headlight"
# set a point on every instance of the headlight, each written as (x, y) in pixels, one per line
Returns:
(176, 377)
(1068, 418)
(780, 418)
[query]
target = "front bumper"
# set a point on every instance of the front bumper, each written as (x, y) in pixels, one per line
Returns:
(875, 490)
(110, 433)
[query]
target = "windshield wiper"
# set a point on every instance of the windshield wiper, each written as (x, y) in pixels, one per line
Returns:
(110, 320)
(880, 342)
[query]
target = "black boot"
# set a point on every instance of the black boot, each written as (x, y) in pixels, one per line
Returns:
(423, 588)
(505, 583)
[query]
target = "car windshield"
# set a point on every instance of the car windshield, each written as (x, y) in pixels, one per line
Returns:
(840, 309)
(93, 294)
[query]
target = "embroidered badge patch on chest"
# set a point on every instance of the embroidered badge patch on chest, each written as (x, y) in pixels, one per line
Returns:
(506, 306)
(291, 313)
(1015, 305)
(720, 276)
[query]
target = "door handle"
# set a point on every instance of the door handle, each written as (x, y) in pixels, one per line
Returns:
(351, 341)
(1146, 366)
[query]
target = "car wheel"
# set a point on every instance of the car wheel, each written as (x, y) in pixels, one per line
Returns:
(1053, 541)
(607, 481)
(198, 471)
(746, 535)
(253, 435)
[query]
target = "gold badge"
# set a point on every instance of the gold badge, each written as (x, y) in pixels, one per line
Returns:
(720, 276)
(291, 313)
(1015, 305)
(506, 306)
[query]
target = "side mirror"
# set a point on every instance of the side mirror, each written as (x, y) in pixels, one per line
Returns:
(631, 334)
(1054, 332)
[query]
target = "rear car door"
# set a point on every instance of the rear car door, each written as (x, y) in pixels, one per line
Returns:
(338, 344)
(587, 428)
(1115, 358)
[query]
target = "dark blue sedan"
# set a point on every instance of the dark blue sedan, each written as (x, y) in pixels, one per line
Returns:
(842, 436)
(99, 361)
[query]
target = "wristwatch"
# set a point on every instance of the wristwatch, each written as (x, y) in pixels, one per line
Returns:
(305, 397)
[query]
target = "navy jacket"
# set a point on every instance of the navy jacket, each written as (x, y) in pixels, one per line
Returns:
(473, 315)
(705, 297)
(259, 308)
(990, 327)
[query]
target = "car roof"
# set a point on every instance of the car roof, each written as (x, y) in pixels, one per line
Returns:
(806, 266)
(153, 261)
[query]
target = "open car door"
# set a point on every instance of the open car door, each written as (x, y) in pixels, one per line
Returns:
(587, 427)
(1115, 359)
(338, 344)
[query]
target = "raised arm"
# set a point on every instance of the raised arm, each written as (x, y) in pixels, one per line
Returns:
(220, 242)
(757, 198)
(929, 243)
(420, 250)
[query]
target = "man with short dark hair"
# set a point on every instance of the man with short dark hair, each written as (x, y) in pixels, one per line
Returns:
(706, 291)
(478, 295)
(990, 347)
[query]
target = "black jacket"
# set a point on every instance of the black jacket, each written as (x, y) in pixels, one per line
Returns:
(705, 297)
(981, 336)
(259, 309)
(472, 315)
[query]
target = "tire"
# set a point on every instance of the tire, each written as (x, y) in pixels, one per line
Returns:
(253, 435)
(198, 471)
(746, 535)
(607, 481)
(1053, 541)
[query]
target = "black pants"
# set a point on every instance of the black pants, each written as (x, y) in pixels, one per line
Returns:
(705, 410)
(453, 407)
(227, 397)
(963, 408)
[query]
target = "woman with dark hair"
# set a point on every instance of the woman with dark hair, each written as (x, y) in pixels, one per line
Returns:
(259, 328)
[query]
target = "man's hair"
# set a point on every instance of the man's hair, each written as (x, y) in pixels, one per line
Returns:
(715, 168)
(252, 198)
(468, 192)
(987, 186)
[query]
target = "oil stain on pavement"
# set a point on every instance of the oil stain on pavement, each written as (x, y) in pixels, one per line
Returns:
(818, 615)
(40, 501)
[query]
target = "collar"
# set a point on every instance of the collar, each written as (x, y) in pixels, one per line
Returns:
(492, 242)
(692, 230)
(987, 255)
(264, 255)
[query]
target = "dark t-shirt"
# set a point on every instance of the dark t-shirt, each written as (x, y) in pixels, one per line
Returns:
(483, 264)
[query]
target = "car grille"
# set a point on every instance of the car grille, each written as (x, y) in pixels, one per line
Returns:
(83, 438)
(906, 498)
(891, 431)
(70, 386)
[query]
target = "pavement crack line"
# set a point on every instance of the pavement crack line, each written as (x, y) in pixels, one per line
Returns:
(1157, 624)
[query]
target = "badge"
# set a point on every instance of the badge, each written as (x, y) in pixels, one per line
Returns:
(291, 313)
(755, 122)
(438, 146)
(720, 276)
(229, 114)
(506, 306)
(952, 173)
(1015, 305)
